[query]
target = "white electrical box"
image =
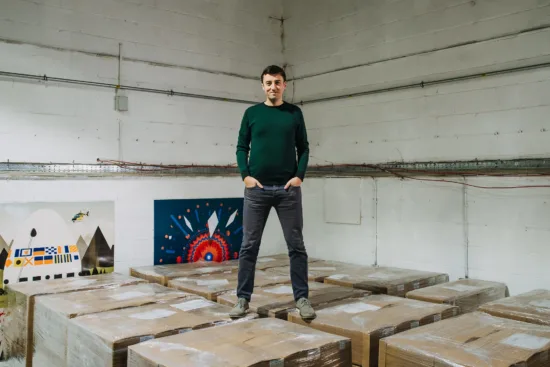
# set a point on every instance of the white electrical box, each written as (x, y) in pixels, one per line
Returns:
(121, 103)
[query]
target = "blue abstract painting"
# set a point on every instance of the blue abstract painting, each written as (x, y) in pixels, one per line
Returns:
(190, 230)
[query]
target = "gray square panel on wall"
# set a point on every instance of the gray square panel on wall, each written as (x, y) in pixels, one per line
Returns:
(342, 200)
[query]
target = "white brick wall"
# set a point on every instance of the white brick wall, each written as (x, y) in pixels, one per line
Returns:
(328, 35)
(165, 45)
(65, 123)
(426, 225)
(232, 36)
(401, 223)
(502, 117)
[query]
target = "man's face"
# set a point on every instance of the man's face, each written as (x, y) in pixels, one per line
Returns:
(274, 86)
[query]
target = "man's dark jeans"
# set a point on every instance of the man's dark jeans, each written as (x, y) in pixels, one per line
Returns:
(288, 205)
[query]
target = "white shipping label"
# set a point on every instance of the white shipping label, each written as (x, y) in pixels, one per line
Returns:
(128, 295)
(320, 268)
(401, 287)
(526, 341)
(283, 289)
(212, 282)
(378, 275)
(359, 307)
(152, 315)
(353, 308)
(265, 260)
(82, 282)
(193, 304)
(338, 276)
(461, 287)
(416, 285)
(415, 324)
(545, 303)
(145, 338)
(437, 318)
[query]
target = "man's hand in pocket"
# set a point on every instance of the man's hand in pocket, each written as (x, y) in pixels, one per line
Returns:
(293, 182)
(250, 182)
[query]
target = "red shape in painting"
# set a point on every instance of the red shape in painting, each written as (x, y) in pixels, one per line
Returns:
(206, 248)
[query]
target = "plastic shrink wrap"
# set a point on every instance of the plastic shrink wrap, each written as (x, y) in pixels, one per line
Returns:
(161, 274)
(261, 342)
(468, 294)
(366, 320)
(102, 339)
(18, 322)
(319, 270)
(474, 339)
(276, 261)
(532, 307)
(276, 301)
(212, 285)
(386, 280)
(52, 314)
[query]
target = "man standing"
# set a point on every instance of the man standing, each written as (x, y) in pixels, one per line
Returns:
(274, 134)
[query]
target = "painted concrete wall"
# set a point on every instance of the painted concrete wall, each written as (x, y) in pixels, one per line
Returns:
(499, 235)
(215, 48)
(351, 47)
(220, 47)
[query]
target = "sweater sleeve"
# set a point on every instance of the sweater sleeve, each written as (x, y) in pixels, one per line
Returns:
(302, 147)
(243, 147)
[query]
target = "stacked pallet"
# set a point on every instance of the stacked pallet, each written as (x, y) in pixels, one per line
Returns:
(532, 307)
(388, 280)
(261, 342)
(468, 294)
(103, 339)
(277, 301)
(472, 339)
(321, 269)
(367, 320)
(212, 285)
(277, 261)
(120, 321)
(18, 325)
(53, 313)
(161, 274)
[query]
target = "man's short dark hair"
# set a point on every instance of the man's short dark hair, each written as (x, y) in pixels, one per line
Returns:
(274, 70)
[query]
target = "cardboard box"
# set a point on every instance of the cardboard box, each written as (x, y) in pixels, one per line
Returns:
(18, 324)
(102, 339)
(532, 307)
(319, 270)
(366, 320)
(277, 301)
(468, 294)
(387, 280)
(262, 342)
(212, 285)
(52, 314)
(471, 340)
(161, 274)
(276, 261)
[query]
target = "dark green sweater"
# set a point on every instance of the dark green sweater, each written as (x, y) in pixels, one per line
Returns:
(276, 139)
